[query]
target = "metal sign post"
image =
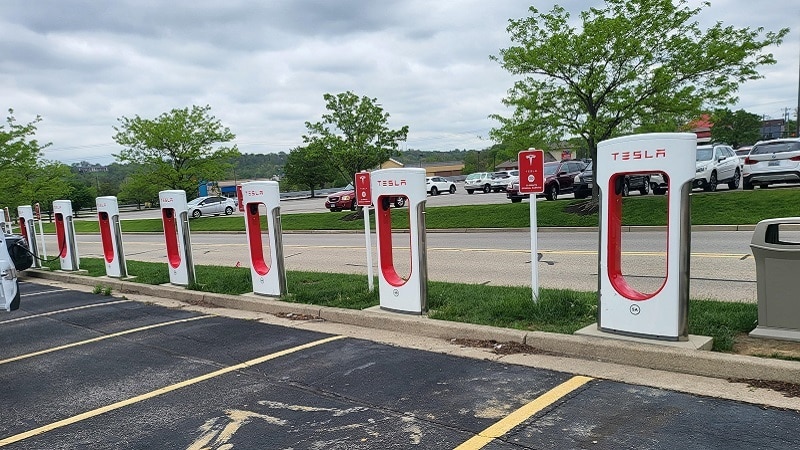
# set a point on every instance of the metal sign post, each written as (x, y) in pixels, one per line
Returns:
(364, 199)
(531, 181)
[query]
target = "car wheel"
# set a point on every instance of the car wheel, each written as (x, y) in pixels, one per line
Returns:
(487, 189)
(196, 213)
(626, 189)
(659, 191)
(452, 188)
(711, 186)
(353, 206)
(434, 191)
(399, 202)
(646, 188)
(734, 183)
(228, 211)
(335, 209)
(552, 192)
(580, 195)
(470, 191)
(747, 185)
(515, 200)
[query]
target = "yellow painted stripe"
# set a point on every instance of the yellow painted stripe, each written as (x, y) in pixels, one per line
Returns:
(100, 338)
(50, 313)
(164, 390)
(517, 417)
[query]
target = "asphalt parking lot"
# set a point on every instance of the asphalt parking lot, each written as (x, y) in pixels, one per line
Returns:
(81, 370)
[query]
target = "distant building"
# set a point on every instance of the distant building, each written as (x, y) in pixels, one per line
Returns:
(773, 128)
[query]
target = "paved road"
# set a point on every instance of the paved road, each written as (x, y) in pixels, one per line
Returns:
(721, 265)
(84, 371)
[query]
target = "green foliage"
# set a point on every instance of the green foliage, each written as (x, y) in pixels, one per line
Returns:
(309, 167)
(179, 149)
(735, 128)
(631, 65)
(256, 166)
(354, 134)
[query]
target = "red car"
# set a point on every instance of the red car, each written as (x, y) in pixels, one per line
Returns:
(560, 179)
(346, 199)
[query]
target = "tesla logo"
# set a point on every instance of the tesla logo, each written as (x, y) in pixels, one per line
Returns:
(362, 178)
(388, 183)
(101, 205)
(639, 154)
(530, 158)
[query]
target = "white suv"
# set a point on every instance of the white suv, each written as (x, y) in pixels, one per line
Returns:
(717, 164)
(437, 185)
(774, 161)
(478, 181)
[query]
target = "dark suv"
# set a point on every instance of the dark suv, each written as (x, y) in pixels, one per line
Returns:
(633, 182)
(559, 179)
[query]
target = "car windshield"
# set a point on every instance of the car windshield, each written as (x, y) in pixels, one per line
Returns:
(195, 201)
(474, 176)
(776, 147)
(588, 167)
(705, 154)
(499, 175)
(550, 169)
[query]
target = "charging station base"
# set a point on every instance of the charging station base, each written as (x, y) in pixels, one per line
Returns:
(694, 342)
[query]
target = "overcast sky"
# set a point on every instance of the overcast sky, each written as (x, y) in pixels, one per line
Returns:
(263, 66)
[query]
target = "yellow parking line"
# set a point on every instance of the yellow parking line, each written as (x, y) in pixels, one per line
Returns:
(517, 417)
(100, 338)
(50, 313)
(164, 390)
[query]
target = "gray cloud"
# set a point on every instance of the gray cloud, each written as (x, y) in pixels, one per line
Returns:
(264, 66)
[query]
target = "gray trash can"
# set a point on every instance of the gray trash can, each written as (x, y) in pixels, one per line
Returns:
(778, 279)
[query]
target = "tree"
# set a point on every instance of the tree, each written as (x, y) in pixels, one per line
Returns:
(308, 167)
(354, 134)
(179, 147)
(634, 65)
(735, 128)
(137, 188)
(19, 157)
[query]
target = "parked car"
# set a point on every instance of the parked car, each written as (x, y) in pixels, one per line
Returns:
(742, 153)
(773, 161)
(717, 164)
(584, 182)
(18, 251)
(478, 181)
(658, 183)
(437, 185)
(346, 199)
(211, 205)
(502, 178)
(559, 179)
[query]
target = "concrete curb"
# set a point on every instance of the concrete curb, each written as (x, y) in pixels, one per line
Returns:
(651, 356)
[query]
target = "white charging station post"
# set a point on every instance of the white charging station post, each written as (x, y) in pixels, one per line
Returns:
(396, 293)
(111, 236)
(37, 214)
(175, 218)
(266, 280)
(28, 231)
(622, 309)
(65, 235)
(531, 181)
(9, 285)
(364, 199)
(7, 224)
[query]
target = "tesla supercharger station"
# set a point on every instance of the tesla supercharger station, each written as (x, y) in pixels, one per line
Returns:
(175, 218)
(622, 309)
(65, 235)
(9, 285)
(267, 280)
(111, 236)
(396, 293)
(27, 229)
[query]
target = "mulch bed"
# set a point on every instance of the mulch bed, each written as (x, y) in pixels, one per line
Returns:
(787, 389)
(503, 348)
(295, 316)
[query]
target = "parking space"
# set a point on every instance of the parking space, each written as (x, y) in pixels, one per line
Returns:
(86, 371)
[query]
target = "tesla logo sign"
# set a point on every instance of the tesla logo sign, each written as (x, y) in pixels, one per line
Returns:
(531, 171)
(363, 189)
(639, 154)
